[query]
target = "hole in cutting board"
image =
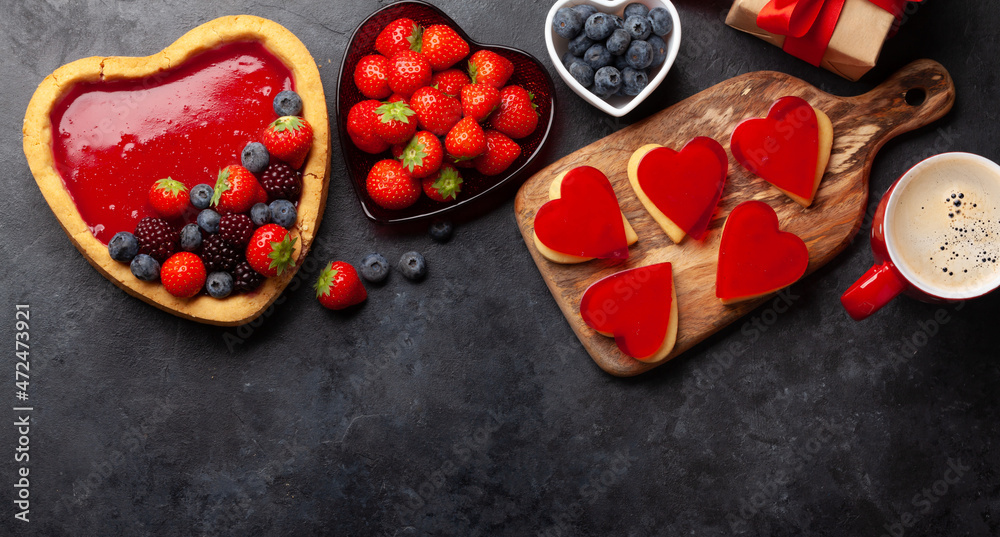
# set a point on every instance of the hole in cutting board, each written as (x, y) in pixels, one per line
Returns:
(915, 96)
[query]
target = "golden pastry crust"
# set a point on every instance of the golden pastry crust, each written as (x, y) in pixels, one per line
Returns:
(37, 132)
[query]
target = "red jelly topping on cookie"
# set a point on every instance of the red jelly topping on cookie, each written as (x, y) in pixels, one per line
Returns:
(632, 305)
(113, 140)
(586, 220)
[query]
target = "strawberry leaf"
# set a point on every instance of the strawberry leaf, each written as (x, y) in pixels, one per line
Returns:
(170, 186)
(398, 111)
(325, 281)
(281, 254)
(414, 154)
(286, 123)
(473, 70)
(221, 185)
(448, 184)
(416, 38)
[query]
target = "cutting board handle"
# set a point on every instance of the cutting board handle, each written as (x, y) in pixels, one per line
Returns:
(914, 96)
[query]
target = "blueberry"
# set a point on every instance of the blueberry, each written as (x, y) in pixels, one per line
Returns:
(568, 23)
(578, 45)
(441, 231)
(633, 81)
(617, 44)
(255, 157)
(635, 9)
(597, 56)
(283, 213)
(638, 27)
(260, 214)
(374, 268)
(619, 22)
(208, 220)
(145, 268)
(190, 237)
(568, 59)
(585, 9)
(201, 196)
(660, 21)
(659, 50)
(639, 55)
(123, 247)
(621, 62)
(582, 73)
(287, 103)
(412, 265)
(599, 26)
(219, 284)
(607, 80)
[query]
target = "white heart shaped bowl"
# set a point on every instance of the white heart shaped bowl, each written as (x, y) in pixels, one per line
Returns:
(615, 106)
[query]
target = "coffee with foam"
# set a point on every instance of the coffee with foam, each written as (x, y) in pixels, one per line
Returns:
(942, 225)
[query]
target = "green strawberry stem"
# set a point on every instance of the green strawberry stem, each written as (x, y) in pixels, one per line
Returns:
(221, 185)
(325, 281)
(281, 254)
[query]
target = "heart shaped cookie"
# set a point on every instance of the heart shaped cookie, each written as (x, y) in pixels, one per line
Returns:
(100, 131)
(582, 220)
(789, 148)
(638, 307)
(680, 189)
(755, 257)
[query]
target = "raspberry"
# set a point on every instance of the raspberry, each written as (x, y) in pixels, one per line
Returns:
(219, 254)
(236, 229)
(246, 279)
(157, 238)
(281, 182)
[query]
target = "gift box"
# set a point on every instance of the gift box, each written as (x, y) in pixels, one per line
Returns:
(843, 36)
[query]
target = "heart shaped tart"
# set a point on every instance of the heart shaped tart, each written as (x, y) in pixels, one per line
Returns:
(100, 131)
(582, 220)
(789, 148)
(755, 257)
(638, 307)
(680, 189)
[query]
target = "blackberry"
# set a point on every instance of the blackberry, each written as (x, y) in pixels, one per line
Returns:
(236, 229)
(246, 279)
(281, 182)
(157, 238)
(219, 255)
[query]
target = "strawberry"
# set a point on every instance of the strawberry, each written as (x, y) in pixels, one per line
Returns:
(516, 117)
(422, 156)
(465, 140)
(500, 153)
(361, 121)
(289, 138)
(169, 198)
(443, 186)
(408, 72)
(236, 190)
(450, 82)
(270, 250)
(371, 76)
(436, 111)
(460, 163)
(339, 287)
(400, 34)
(395, 98)
(183, 274)
(479, 101)
(395, 124)
(488, 67)
(442, 46)
(391, 186)
(261, 195)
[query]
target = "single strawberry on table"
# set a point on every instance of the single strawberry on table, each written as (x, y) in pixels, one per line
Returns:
(396, 123)
(236, 190)
(465, 140)
(436, 112)
(443, 186)
(169, 198)
(400, 34)
(516, 116)
(450, 81)
(442, 46)
(361, 121)
(289, 138)
(479, 101)
(339, 287)
(488, 67)
(422, 156)
(271, 250)
(408, 72)
(500, 153)
(183, 274)
(391, 186)
(371, 76)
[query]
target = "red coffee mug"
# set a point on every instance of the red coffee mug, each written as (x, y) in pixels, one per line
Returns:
(889, 277)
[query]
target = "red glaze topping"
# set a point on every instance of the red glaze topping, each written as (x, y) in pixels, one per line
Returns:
(633, 305)
(586, 221)
(113, 140)
(783, 147)
(755, 257)
(685, 186)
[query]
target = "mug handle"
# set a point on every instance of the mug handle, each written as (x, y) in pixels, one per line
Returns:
(872, 291)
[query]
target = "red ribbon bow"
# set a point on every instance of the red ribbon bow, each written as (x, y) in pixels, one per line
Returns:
(808, 24)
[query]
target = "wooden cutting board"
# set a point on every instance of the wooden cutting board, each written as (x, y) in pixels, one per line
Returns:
(861, 126)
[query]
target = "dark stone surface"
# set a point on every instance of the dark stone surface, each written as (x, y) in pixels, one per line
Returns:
(464, 405)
